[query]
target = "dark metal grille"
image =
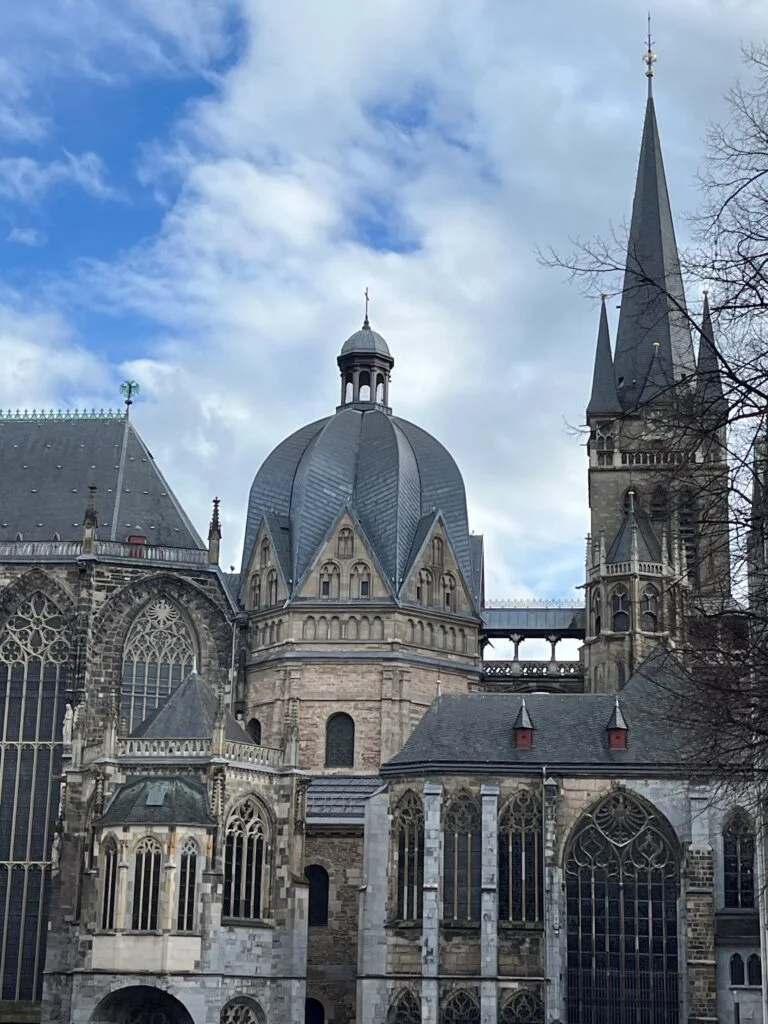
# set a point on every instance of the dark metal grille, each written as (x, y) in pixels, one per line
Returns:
(460, 1007)
(739, 861)
(520, 859)
(462, 861)
(187, 883)
(340, 742)
(244, 862)
(406, 1009)
(524, 1007)
(622, 884)
(409, 851)
(146, 886)
(34, 657)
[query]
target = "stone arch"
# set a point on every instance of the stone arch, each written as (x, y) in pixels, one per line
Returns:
(141, 1004)
(352, 628)
(309, 629)
(30, 583)
(365, 628)
(322, 628)
(377, 628)
(242, 1010)
(335, 628)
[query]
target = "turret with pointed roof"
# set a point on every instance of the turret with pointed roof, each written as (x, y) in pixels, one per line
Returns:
(604, 400)
(709, 385)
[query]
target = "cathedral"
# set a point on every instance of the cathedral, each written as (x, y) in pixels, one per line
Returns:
(298, 794)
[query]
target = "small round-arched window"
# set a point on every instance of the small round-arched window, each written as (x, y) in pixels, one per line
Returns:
(340, 741)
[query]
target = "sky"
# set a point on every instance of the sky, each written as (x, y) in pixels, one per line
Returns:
(194, 194)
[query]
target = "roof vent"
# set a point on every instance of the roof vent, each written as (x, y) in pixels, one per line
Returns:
(617, 729)
(523, 728)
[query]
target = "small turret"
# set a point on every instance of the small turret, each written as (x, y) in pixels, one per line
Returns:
(604, 400)
(523, 728)
(617, 729)
(709, 386)
(214, 535)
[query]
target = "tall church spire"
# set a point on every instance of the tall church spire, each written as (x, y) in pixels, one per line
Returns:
(709, 386)
(653, 301)
(603, 400)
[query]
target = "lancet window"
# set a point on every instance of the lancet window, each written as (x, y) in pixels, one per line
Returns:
(255, 591)
(264, 554)
(736, 968)
(360, 581)
(424, 588)
(272, 588)
(739, 861)
(146, 886)
(620, 610)
(524, 1007)
(754, 972)
(650, 609)
(408, 831)
(245, 862)
(318, 880)
(159, 652)
(437, 551)
(596, 615)
(689, 528)
(109, 858)
(346, 543)
(329, 581)
(622, 887)
(462, 860)
(340, 741)
(185, 921)
(659, 504)
(520, 860)
(35, 653)
(449, 592)
(460, 1007)
(406, 1009)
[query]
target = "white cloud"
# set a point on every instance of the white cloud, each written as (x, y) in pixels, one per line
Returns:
(24, 179)
(32, 237)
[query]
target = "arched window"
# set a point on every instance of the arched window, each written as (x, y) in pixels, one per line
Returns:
(364, 384)
(424, 588)
(360, 581)
(622, 887)
(264, 559)
(146, 886)
(460, 1007)
(242, 1010)
(187, 886)
(405, 1009)
(524, 1007)
(736, 965)
(689, 530)
(272, 588)
(245, 862)
(462, 846)
(109, 855)
(620, 610)
(380, 389)
(255, 591)
(650, 609)
(739, 861)
(329, 581)
(659, 504)
(754, 972)
(437, 552)
(317, 877)
(408, 832)
(159, 652)
(596, 615)
(346, 543)
(449, 592)
(520, 860)
(254, 730)
(340, 741)
(314, 1012)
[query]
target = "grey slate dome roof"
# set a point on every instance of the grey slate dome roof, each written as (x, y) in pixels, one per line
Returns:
(365, 340)
(392, 475)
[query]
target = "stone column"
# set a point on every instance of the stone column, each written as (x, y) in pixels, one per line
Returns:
(430, 936)
(121, 887)
(698, 917)
(489, 917)
(554, 933)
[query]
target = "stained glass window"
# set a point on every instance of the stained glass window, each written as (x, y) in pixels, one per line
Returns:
(245, 862)
(524, 1007)
(146, 886)
(520, 860)
(739, 861)
(462, 863)
(460, 1007)
(408, 831)
(242, 1011)
(340, 741)
(405, 1009)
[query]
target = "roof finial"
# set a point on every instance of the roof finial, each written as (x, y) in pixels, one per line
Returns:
(366, 324)
(128, 389)
(649, 57)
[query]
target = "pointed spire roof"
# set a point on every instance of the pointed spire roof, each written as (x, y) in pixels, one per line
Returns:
(523, 720)
(189, 713)
(653, 300)
(617, 720)
(214, 530)
(709, 386)
(603, 400)
(639, 529)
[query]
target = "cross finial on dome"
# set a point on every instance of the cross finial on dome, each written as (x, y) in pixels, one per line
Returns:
(366, 322)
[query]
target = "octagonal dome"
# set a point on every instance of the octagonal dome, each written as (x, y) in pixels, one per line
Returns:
(364, 341)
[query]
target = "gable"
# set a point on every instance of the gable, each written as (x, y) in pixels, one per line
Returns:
(345, 568)
(435, 579)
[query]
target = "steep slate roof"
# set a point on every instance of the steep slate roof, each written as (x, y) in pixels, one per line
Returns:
(709, 386)
(158, 801)
(340, 798)
(47, 464)
(648, 546)
(475, 732)
(603, 400)
(189, 713)
(365, 340)
(653, 301)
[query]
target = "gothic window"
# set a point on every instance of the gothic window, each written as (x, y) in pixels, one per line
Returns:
(109, 855)
(736, 966)
(524, 1007)
(424, 588)
(146, 886)
(688, 520)
(317, 877)
(620, 610)
(255, 591)
(460, 1007)
(340, 741)
(739, 861)
(360, 581)
(329, 581)
(405, 1009)
(187, 884)
(346, 543)
(158, 654)
(272, 588)
(754, 972)
(254, 730)
(596, 615)
(622, 886)
(449, 592)
(264, 559)
(242, 1011)
(650, 609)
(659, 504)
(462, 852)
(437, 551)
(34, 676)
(520, 860)
(408, 831)
(245, 865)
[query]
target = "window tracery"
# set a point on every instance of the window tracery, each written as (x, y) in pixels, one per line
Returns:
(264, 554)
(272, 588)
(185, 921)
(462, 853)
(424, 588)
(408, 828)
(520, 859)
(736, 969)
(360, 582)
(739, 861)
(109, 855)
(460, 1007)
(449, 592)
(620, 610)
(241, 1011)
(406, 1009)
(650, 609)
(754, 972)
(437, 551)
(245, 873)
(524, 1007)
(346, 543)
(340, 741)
(622, 886)
(159, 652)
(329, 581)
(146, 886)
(255, 591)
